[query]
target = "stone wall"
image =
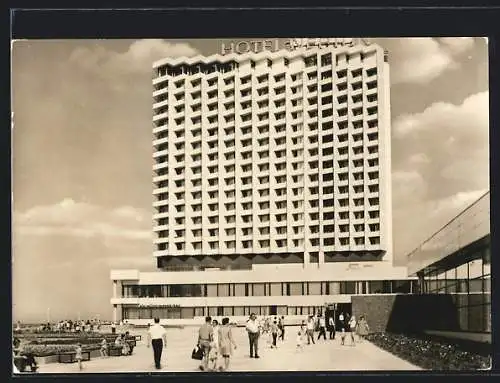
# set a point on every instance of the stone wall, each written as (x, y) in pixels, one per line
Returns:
(413, 313)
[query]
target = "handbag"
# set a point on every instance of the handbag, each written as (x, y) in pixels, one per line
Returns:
(197, 353)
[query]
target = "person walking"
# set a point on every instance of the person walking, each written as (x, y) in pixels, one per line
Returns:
(205, 337)
(157, 337)
(363, 328)
(274, 333)
(281, 326)
(322, 327)
(331, 327)
(253, 330)
(342, 328)
(79, 356)
(352, 324)
(226, 342)
(310, 330)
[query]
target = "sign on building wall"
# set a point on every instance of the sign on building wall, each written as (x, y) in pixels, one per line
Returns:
(256, 46)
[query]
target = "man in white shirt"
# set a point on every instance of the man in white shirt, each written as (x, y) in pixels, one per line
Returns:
(157, 336)
(253, 330)
(322, 327)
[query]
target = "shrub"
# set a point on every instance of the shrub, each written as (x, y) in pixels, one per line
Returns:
(428, 353)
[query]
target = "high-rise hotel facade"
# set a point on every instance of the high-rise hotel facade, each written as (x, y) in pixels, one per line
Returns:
(271, 186)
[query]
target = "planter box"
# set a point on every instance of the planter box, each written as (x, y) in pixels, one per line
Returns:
(115, 351)
(69, 357)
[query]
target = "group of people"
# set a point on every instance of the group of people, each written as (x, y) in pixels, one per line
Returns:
(344, 324)
(216, 343)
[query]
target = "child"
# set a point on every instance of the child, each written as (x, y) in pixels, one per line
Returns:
(104, 347)
(78, 356)
(300, 337)
(213, 355)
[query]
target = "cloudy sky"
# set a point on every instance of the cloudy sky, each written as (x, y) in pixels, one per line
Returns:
(82, 157)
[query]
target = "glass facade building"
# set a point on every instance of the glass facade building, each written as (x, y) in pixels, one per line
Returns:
(457, 261)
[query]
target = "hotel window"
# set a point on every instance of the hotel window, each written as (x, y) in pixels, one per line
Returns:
(310, 61)
(373, 188)
(281, 192)
(329, 228)
(344, 241)
(344, 215)
(246, 193)
(281, 243)
(359, 228)
(314, 217)
(246, 155)
(230, 219)
(373, 201)
(230, 232)
(180, 221)
(264, 243)
(372, 124)
(230, 244)
(298, 229)
(298, 216)
(372, 97)
(326, 59)
(263, 192)
(314, 190)
(372, 110)
(230, 206)
(214, 219)
(356, 73)
(213, 232)
(263, 230)
(359, 215)
(371, 84)
(356, 188)
(247, 231)
(196, 220)
(357, 85)
(179, 246)
(374, 240)
(371, 72)
(358, 176)
(264, 205)
(263, 180)
(344, 228)
(374, 227)
(374, 214)
(197, 245)
(213, 181)
(294, 288)
(373, 175)
(373, 149)
(246, 205)
(298, 178)
(348, 287)
(264, 218)
(229, 181)
(280, 217)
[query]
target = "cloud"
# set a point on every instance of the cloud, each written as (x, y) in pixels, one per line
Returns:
(419, 158)
(470, 116)
(455, 202)
(80, 219)
(421, 60)
(138, 58)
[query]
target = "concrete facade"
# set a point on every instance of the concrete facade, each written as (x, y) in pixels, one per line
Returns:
(272, 185)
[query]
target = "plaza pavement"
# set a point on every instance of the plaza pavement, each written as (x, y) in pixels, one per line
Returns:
(327, 355)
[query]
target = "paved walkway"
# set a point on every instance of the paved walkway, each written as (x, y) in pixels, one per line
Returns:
(327, 355)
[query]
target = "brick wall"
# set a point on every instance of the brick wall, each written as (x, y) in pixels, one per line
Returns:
(376, 309)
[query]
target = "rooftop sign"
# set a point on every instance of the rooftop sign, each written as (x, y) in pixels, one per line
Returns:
(257, 46)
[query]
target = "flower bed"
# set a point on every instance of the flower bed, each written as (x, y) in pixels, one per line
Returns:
(47, 350)
(430, 354)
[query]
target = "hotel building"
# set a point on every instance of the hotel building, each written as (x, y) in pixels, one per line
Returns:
(271, 185)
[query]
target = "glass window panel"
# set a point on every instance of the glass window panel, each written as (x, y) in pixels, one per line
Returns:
(282, 310)
(223, 290)
(187, 312)
(247, 310)
(476, 285)
(157, 312)
(199, 311)
(292, 310)
(314, 288)
(348, 287)
(375, 287)
(258, 290)
(264, 310)
(239, 290)
(239, 310)
(334, 288)
(174, 313)
(211, 291)
(275, 289)
(295, 288)
(463, 318)
(228, 310)
(476, 318)
(212, 311)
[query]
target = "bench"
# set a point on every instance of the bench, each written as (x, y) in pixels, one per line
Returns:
(70, 357)
(21, 362)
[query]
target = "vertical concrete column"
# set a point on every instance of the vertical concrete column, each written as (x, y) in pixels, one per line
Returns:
(115, 285)
(115, 313)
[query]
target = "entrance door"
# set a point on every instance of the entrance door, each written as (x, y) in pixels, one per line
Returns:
(273, 310)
